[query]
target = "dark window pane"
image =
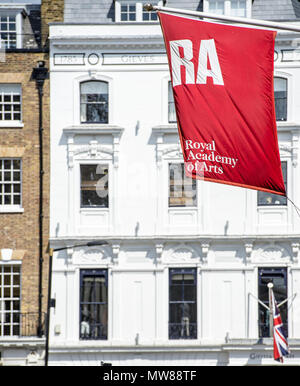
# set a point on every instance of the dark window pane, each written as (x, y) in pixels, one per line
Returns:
(267, 199)
(93, 305)
(277, 276)
(182, 189)
(94, 185)
(280, 95)
(94, 102)
(183, 304)
(17, 199)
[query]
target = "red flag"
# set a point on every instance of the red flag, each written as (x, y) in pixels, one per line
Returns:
(222, 79)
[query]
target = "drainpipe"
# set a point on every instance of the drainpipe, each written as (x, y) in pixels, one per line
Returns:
(39, 74)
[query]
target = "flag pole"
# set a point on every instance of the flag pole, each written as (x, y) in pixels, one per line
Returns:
(234, 19)
(270, 287)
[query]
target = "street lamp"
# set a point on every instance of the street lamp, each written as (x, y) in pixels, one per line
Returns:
(50, 301)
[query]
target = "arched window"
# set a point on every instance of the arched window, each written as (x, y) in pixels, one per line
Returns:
(280, 94)
(94, 102)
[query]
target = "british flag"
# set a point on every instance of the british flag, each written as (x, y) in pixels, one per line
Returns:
(280, 344)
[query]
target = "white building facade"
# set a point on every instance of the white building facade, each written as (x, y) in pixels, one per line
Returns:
(178, 282)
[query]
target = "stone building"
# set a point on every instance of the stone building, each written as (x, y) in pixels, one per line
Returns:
(24, 179)
(179, 278)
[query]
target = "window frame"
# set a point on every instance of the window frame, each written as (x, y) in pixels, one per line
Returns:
(194, 182)
(11, 299)
(96, 272)
(11, 122)
(276, 271)
(139, 13)
(91, 103)
(171, 103)
(15, 11)
(227, 8)
(287, 97)
(12, 207)
(193, 333)
(273, 195)
(94, 207)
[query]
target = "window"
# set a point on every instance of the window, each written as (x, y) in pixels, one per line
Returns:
(94, 186)
(238, 8)
(10, 293)
(280, 95)
(149, 16)
(277, 276)
(93, 304)
(182, 189)
(94, 102)
(10, 103)
(128, 12)
(8, 31)
(182, 303)
(133, 11)
(216, 6)
(171, 104)
(266, 199)
(10, 182)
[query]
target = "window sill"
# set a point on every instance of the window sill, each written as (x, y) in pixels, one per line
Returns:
(7, 209)
(94, 209)
(275, 206)
(11, 125)
(93, 129)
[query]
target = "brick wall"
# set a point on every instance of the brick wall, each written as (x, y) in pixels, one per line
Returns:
(21, 231)
(51, 11)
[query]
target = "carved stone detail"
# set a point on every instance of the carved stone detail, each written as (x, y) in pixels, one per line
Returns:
(115, 253)
(205, 250)
(159, 251)
(271, 253)
(295, 249)
(181, 253)
(248, 251)
(91, 256)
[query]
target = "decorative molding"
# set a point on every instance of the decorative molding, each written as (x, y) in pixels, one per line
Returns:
(181, 253)
(171, 152)
(159, 251)
(295, 149)
(91, 256)
(271, 253)
(162, 151)
(248, 250)
(93, 150)
(205, 249)
(295, 250)
(115, 253)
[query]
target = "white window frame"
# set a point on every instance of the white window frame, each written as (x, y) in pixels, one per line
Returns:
(11, 298)
(138, 9)
(15, 10)
(94, 207)
(11, 208)
(289, 79)
(12, 122)
(227, 7)
(77, 100)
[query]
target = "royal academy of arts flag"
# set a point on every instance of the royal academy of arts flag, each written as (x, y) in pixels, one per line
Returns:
(280, 344)
(222, 78)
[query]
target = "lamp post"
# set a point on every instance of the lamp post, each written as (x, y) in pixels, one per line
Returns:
(50, 301)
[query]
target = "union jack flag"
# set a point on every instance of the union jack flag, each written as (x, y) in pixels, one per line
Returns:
(280, 344)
